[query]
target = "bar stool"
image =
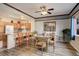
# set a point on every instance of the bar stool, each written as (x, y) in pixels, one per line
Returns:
(27, 39)
(19, 39)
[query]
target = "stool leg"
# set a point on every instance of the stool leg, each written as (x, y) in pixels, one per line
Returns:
(19, 41)
(27, 42)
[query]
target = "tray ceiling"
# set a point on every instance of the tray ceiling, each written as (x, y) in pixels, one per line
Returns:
(31, 8)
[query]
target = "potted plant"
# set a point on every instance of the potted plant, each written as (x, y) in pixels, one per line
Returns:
(66, 34)
(34, 33)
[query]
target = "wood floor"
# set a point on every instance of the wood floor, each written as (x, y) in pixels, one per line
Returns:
(61, 49)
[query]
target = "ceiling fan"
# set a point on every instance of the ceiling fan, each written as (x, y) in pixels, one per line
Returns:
(44, 11)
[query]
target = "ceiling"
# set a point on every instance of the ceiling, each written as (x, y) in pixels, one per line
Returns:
(7, 12)
(31, 8)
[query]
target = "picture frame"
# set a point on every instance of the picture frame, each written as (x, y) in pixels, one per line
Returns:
(50, 26)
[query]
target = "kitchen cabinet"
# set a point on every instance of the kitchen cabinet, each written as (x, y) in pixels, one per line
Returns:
(3, 38)
(1, 27)
(28, 26)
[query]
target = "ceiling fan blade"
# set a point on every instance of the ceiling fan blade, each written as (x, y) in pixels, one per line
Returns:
(49, 12)
(50, 9)
(37, 11)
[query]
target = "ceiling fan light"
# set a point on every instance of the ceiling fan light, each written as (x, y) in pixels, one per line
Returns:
(44, 13)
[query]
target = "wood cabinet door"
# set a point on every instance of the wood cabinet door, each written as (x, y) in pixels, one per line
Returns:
(1, 27)
(28, 26)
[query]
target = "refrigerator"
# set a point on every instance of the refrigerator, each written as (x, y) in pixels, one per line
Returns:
(9, 31)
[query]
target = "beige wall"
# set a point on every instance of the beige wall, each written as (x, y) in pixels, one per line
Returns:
(75, 43)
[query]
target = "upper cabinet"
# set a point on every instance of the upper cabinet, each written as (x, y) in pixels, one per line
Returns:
(22, 25)
(17, 25)
(28, 26)
(2, 26)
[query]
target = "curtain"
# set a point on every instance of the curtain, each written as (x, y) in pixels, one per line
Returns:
(73, 27)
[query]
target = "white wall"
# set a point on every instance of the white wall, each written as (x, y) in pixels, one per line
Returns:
(39, 27)
(60, 25)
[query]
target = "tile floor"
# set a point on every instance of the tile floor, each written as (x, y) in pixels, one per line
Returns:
(61, 49)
